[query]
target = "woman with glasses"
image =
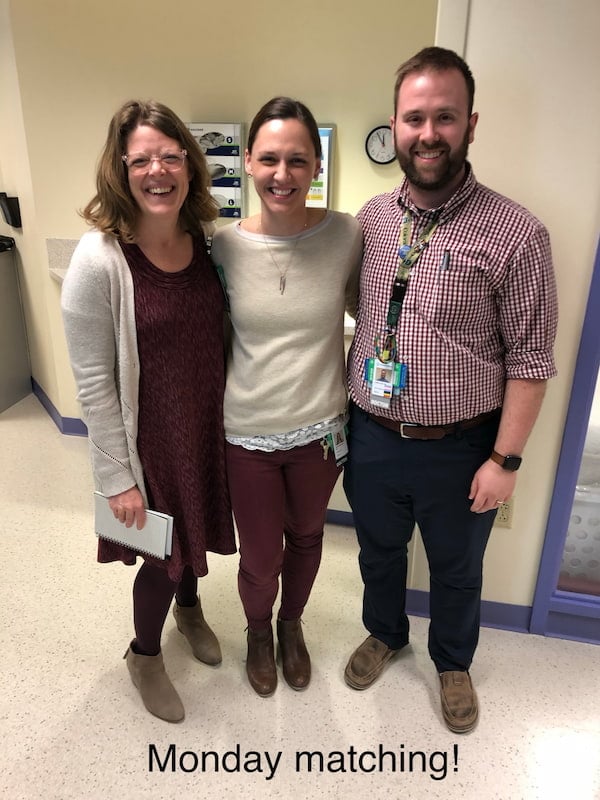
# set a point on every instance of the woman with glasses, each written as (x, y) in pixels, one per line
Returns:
(143, 308)
(290, 271)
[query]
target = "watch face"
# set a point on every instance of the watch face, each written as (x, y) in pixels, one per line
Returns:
(512, 463)
(379, 145)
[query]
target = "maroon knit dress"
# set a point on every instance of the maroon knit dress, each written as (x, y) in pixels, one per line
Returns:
(179, 323)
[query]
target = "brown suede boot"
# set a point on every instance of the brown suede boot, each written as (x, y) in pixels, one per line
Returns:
(260, 664)
(158, 693)
(293, 652)
(204, 643)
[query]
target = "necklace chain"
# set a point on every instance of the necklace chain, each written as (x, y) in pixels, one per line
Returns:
(282, 272)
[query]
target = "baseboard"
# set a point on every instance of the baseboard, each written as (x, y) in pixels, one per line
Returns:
(70, 426)
(335, 517)
(504, 616)
(493, 615)
(575, 627)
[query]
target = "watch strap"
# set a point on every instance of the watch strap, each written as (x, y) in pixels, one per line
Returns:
(508, 462)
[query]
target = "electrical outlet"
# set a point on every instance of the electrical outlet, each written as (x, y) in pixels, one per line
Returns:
(505, 514)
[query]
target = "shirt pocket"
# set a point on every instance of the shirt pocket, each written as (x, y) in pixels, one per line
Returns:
(457, 300)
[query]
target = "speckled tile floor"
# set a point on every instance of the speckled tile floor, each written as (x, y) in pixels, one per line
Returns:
(73, 727)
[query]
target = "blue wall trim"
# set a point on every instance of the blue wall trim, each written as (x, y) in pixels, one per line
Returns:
(339, 517)
(555, 613)
(493, 615)
(70, 426)
(505, 616)
(572, 626)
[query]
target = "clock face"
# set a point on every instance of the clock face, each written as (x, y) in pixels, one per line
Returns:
(379, 145)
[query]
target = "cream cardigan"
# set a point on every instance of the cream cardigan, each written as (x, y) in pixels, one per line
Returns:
(99, 318)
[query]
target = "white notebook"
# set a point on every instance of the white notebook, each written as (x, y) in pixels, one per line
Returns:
(155, 538)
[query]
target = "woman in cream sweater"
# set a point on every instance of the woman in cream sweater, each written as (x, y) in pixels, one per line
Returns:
(290, 272)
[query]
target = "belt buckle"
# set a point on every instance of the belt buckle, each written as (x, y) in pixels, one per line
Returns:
(407, 425)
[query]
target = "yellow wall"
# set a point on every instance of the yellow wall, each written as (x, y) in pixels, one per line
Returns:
(65, 65)
(39, 296)
(75, 61)
(537, 82)
(537, 75)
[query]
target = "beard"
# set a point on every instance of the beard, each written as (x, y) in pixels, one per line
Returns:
(443, 175)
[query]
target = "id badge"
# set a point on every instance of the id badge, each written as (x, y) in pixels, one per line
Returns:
(382, 387)
(338, 443)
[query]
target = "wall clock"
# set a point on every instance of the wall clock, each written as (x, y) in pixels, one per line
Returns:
(379, 145)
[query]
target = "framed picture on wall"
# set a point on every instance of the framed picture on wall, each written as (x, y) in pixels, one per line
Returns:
(319, 194)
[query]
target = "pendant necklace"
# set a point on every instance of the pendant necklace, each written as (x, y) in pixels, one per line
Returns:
(282, 272)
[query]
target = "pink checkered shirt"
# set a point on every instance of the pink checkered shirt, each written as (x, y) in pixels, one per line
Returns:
(463, 331)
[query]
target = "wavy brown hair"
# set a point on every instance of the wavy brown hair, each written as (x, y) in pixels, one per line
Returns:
(113, 209)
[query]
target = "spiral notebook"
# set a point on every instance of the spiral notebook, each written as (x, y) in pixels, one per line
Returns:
(155, 538)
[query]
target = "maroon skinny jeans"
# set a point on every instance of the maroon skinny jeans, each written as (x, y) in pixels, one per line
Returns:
(279, 502)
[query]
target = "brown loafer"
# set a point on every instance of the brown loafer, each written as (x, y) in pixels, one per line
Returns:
(367, 662)
(459, 701)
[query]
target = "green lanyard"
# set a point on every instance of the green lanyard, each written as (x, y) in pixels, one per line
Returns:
(407, 258)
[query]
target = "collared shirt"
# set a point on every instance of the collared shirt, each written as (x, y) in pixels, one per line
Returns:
(480, 307)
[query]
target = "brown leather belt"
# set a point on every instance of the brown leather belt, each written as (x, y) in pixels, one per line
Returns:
(410, 430)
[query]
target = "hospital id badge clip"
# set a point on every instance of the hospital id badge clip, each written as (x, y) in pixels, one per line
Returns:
(386, 378)
(338, 443)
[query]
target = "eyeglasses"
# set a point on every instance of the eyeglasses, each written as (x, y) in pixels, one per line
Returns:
(139, 163)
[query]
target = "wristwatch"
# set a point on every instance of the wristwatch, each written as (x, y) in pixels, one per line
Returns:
(510, 463)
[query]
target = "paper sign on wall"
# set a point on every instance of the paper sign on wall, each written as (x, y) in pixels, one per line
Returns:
(222, 146)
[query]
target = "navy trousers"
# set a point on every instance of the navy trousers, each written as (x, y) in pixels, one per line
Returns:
(391, 484)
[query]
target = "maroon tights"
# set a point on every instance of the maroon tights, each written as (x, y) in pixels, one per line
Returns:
(153, 592)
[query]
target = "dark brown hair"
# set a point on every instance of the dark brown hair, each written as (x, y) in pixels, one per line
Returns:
(286, 108)
(113, 209)
(435, 59)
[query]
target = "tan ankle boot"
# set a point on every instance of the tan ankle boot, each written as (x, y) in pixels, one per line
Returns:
(260, 664)
(204, 643)
(293, 652)
(157, 692)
